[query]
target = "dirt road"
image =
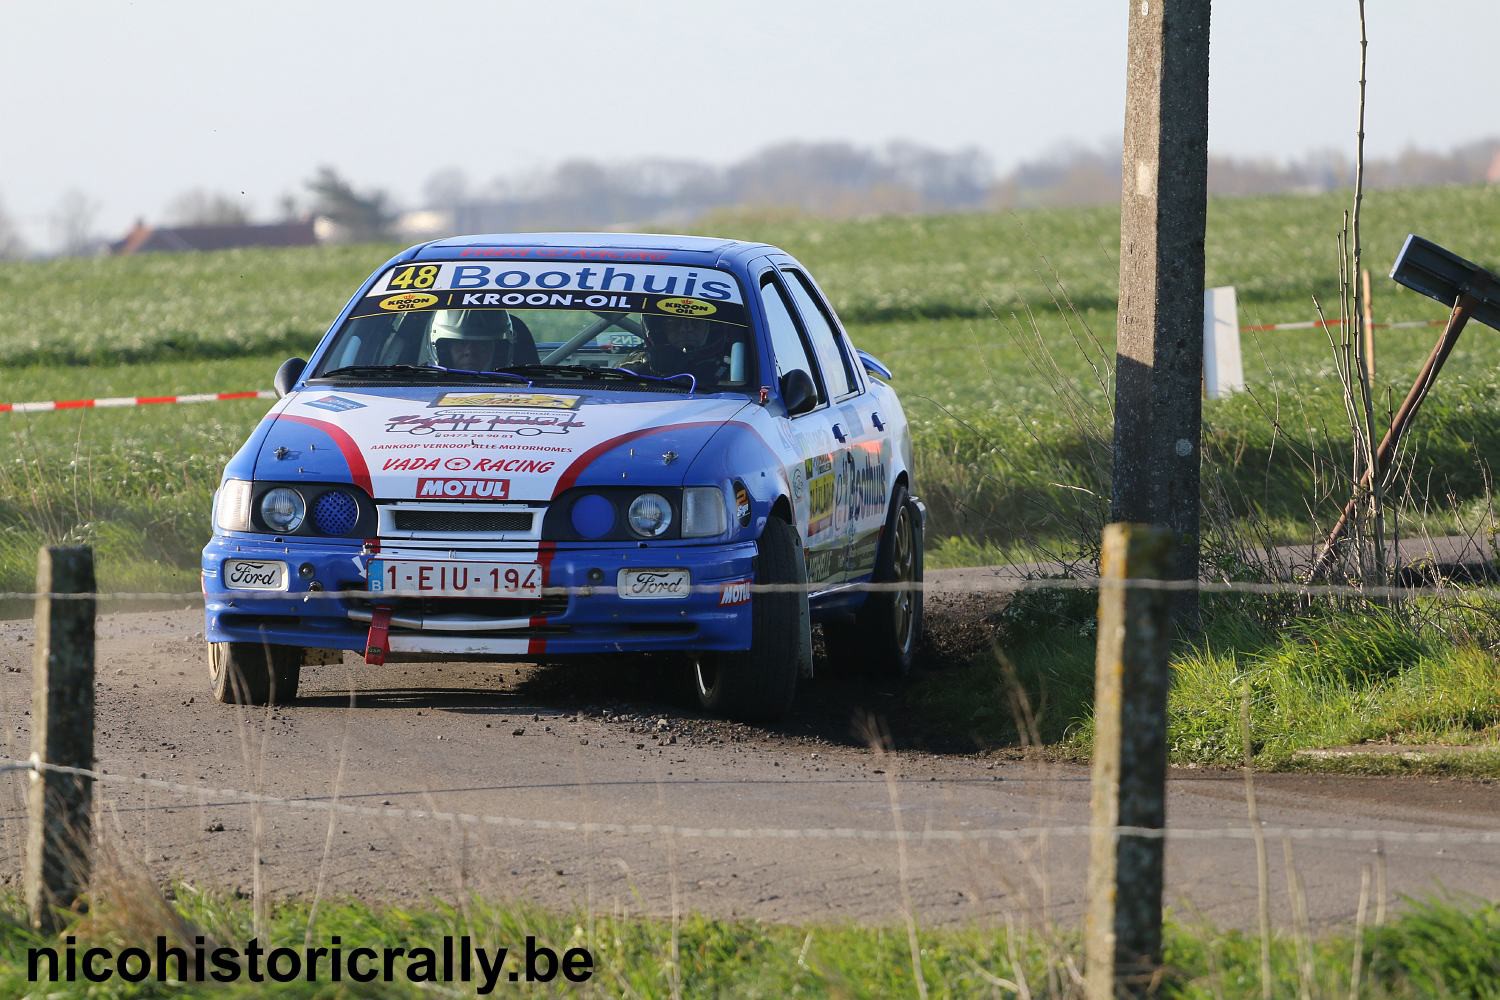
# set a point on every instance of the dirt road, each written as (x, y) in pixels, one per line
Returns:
(554, 744)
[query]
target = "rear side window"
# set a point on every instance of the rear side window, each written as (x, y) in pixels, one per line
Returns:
(786, 342)
(838, 374)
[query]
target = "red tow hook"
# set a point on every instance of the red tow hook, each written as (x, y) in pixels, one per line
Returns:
(376, 645)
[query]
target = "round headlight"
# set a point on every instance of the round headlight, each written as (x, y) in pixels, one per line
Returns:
(283, 509)
(650, 515)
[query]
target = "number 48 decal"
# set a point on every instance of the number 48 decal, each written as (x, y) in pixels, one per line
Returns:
(412, 276)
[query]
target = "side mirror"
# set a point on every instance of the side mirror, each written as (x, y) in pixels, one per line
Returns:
(287, 375)
(798, 392)
(874, 365)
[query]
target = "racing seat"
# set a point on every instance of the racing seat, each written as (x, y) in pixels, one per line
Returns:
(522, 345)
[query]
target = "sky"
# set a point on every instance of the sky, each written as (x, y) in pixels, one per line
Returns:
(133, 103)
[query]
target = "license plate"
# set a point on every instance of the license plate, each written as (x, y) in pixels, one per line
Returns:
(456, 579)
(653, 584)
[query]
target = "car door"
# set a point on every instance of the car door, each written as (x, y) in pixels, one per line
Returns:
(817, 454)
(857, 427)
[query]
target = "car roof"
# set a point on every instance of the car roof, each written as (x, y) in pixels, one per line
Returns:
(604, 247)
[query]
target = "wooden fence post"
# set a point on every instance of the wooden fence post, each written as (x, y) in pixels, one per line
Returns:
(59, 848)
(1122, 948)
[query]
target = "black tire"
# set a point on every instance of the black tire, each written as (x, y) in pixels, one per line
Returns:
(758, 685)
(254, 673)
(885, 631)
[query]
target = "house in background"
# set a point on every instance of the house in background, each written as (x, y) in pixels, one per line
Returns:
(158, 239)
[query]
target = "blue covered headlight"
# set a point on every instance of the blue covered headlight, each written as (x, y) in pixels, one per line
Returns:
(593, 516)
(335, 513)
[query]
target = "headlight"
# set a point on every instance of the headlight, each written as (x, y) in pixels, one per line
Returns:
(283, 509)
(703, 513)
(593, 516)
(232, 509)
(650, 515)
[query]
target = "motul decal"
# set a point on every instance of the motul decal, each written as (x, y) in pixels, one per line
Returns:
(464, 489)
(735, 592)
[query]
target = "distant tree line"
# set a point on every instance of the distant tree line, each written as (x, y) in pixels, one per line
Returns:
(840, 179)
(793, 178)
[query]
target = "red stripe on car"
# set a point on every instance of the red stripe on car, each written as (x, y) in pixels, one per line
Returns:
(356, 461)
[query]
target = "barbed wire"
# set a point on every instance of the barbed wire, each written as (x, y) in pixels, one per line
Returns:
(1356, 835)
(997, 585)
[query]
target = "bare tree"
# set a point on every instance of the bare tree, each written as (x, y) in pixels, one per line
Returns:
(446, 188)
(199, 207)
(359, 216)
(12, 246)
(72, 223)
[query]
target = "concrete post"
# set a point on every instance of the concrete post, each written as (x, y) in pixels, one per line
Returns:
(1122, 948)
(59, 836)
(1163, 212)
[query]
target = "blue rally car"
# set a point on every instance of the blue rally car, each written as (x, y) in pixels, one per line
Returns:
(534, 446)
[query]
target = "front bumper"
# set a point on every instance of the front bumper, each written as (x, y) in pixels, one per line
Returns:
(589, 618)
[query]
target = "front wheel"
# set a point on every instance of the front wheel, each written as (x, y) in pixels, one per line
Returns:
(887, 628)
(254, 673)
(757, 685)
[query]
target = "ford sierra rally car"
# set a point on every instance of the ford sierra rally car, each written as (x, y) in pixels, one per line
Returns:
(534, 447)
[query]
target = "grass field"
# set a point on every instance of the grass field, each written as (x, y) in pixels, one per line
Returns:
(1433, 949)
(999, 328)
(1419, 674)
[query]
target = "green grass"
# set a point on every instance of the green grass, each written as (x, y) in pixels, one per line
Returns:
(1432, 948)
(1423, 674)
(175, 307)
(999, 327)
(134, 483)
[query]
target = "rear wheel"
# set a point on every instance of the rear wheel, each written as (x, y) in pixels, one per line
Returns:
(757, 685)
(884, 633)
(254, 673)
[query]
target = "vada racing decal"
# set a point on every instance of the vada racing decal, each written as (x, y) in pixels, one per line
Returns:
(456, 444)
(667, 289)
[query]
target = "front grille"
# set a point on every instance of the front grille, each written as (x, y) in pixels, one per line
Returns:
(550, 605)
(467, 521)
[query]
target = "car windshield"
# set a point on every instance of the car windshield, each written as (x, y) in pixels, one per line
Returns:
(551, 321)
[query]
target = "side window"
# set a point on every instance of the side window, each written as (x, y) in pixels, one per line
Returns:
(786, 342)
(837, 373)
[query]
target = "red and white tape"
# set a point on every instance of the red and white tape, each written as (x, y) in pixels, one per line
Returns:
(112, 401)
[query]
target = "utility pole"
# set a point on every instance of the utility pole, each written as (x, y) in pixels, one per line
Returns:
(1163, 212)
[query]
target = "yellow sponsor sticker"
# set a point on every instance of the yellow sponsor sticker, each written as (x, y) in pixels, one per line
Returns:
(407, 300)
(687, 307)
(528, 400)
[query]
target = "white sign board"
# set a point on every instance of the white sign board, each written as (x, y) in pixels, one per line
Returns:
(1223, 373)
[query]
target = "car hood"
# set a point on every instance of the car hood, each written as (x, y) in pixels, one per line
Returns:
(468, 443)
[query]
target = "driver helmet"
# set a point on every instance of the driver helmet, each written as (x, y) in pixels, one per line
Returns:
(470, 339)
(683, 344)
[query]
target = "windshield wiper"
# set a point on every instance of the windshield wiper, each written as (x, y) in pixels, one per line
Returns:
(426, 371)
(587, 373)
